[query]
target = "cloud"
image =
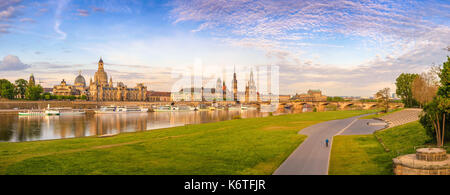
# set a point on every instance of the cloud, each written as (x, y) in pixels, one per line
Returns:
(12, 63)
(61, 6)
(370, 76)
(82, 12)
(408, 36)
(31, 20)
(9, 9)
(389, 22)
(98, 9)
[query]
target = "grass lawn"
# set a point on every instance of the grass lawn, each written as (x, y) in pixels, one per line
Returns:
(244, 146)
(378, 115)
(358, 155)
(363, 154)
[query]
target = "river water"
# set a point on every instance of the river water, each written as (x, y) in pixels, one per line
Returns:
(14, 128)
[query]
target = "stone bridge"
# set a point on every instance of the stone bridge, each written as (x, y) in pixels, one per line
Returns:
(328, 106)
(296, 106)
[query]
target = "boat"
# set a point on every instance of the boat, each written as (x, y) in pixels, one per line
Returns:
(129, 109)
(185, 108)
(53, 112)
(121, 109)
(234, 108)
(166, 109)
(268, 108)
(31, 113)
(212, 108)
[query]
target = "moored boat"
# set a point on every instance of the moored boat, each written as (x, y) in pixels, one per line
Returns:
(166, 109)
(120, 109)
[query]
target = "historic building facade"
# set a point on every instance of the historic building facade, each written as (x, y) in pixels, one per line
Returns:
(311, 96)
(78, 89)
(64, 89)
(155, 96)
(102, 90)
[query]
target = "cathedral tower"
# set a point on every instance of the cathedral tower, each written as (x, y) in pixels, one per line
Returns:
(235, 87)
(100, 77)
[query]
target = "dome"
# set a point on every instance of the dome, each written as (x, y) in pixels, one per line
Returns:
(80, 81)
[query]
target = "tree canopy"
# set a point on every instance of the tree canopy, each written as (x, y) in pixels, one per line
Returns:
(436, 113)
(404, 88)
(7, 89)
(33, 92)
(21, 87)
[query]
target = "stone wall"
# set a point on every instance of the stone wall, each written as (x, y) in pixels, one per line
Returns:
(426, 161)
(403, 170)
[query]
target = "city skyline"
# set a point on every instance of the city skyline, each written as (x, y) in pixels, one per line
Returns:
(344, 48)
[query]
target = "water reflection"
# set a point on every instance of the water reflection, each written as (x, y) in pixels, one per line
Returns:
(15, 128)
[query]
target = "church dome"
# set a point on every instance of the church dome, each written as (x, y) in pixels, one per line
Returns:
(80, 81)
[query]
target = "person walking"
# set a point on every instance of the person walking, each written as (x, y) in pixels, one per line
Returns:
(326, 142)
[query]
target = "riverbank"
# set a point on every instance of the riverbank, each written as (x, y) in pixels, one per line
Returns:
(364, 154)
(244, 146)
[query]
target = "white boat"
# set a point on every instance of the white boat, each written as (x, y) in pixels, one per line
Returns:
(31, 113)
(166, 109)
(53, 111)
(135, 109)
(268, 108)
(234, 108)
(120, 109)
(185, 108)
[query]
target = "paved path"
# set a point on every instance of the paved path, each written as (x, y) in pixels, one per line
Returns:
(312, 156)
(402, 117)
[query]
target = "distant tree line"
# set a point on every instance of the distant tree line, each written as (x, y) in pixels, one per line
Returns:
(335, 99)
(23, 90)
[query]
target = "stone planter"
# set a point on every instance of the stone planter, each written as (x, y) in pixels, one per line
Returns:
(426, 161)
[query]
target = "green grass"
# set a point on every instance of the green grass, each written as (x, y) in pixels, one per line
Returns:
(403, 139)
(364, 154)
(358, 155)
(379, 114)
(244, 146)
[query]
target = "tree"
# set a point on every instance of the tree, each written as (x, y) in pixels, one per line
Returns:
(424, 88)
(21, 87)
(335, 99)
(383, 98)
(33, 92)
(404, 88)
(7, 89)
(435, 118)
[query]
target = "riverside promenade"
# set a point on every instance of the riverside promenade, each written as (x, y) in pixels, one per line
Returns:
(312, 156)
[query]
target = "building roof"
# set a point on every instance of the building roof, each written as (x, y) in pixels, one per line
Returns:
(80, 80)
(157, 93)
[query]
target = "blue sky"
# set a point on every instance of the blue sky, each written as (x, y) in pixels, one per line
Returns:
(342, 47)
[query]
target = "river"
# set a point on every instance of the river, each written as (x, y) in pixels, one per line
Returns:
(14, 128)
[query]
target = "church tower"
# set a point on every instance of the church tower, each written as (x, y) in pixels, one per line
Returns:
(235, 87)
(100, 77)
(31, 81)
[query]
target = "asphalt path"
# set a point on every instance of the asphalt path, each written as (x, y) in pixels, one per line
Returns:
(312, 156)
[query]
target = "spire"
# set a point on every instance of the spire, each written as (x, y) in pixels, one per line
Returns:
(101, 60)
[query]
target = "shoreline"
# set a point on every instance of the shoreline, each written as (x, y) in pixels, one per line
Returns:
(222, 143)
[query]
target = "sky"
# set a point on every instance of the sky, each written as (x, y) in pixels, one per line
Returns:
(343, 47)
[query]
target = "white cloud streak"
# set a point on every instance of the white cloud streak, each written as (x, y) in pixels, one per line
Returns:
(407, 33)
(61, 5)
